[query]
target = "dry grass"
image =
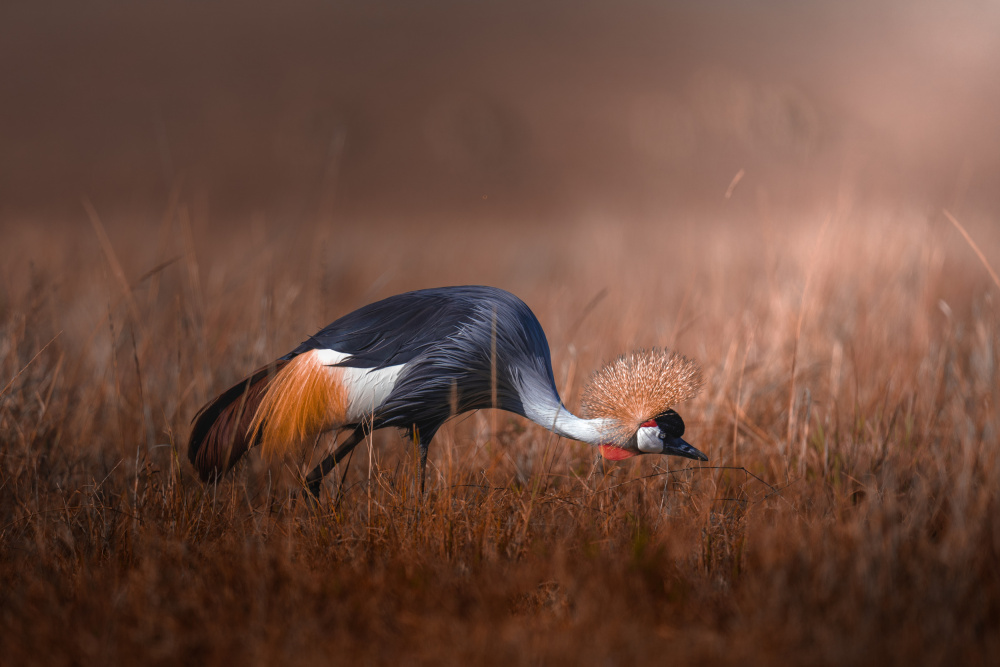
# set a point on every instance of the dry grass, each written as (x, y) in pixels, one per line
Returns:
(865, 527)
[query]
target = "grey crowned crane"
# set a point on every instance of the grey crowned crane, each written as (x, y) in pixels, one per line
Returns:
(413, 360)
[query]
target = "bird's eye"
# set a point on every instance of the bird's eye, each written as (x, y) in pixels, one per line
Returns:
(671, 424)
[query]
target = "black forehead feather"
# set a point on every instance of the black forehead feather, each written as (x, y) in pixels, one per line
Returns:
(671, 423)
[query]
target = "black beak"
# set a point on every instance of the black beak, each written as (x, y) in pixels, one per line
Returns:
(677, 447)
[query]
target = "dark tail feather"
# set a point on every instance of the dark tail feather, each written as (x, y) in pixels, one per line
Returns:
(220, 434)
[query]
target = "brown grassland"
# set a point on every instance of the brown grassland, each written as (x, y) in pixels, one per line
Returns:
(850, 512)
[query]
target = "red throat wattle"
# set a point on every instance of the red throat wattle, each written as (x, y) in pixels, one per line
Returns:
(612, 453)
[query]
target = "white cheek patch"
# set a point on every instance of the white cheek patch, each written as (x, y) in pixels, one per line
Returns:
(648, 440)
(367, 389)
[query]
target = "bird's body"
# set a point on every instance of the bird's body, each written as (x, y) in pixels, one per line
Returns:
(410, 361)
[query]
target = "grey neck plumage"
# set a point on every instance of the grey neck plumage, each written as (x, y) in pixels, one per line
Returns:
(592, 431)
(548, 411)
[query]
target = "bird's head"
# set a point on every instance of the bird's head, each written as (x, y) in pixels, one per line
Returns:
(634, 395)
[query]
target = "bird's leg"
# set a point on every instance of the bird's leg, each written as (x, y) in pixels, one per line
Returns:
(422, 445)
(315, 478)
(422, 442)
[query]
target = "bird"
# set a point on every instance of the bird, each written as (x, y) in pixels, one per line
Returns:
(416, 359)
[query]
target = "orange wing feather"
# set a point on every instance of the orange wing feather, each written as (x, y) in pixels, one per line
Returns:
(304, 399)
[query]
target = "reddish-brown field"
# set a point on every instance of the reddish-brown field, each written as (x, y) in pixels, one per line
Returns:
(849, 513)
(189, 189)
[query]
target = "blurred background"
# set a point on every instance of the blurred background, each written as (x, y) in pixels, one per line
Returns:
(188, 189)
(494, 111)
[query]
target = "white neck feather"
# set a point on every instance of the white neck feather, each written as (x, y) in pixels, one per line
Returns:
(553, 415)
(542, 405)
(592, 431)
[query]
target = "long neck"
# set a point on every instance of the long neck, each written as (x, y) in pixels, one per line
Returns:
(554, 416)
(541, 404)
(592, 431)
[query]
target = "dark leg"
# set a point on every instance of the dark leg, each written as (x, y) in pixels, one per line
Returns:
(422, 445)
(315, 479)
(419, 438)
(422, 437)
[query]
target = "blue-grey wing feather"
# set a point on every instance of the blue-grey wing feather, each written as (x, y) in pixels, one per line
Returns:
(467, 371)
(394, 330)
(445, 337)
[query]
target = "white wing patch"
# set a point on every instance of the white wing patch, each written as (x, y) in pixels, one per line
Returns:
(367, 388)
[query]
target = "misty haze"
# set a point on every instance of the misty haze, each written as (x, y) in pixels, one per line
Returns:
(791, 207)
